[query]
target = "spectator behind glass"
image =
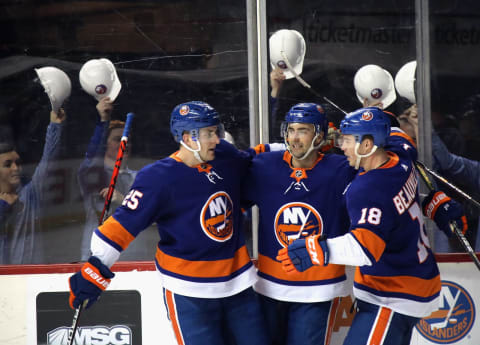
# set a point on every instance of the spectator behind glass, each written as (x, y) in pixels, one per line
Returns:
(20, 205)
(469, 126)
(461, 171)
(96, 170)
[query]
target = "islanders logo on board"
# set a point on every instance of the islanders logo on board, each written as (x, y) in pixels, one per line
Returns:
(455, 318)
(296, 220)
(216, 217)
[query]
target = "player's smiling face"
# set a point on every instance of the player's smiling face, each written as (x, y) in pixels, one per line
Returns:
(347, 144)
(209, 139)
(300, 136)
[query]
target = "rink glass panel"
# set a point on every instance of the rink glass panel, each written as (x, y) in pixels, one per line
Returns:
(165, 53)
(172, 51)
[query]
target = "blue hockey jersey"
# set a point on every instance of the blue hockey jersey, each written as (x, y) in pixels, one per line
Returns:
(201, 252)
(387, 221)
(295, 203)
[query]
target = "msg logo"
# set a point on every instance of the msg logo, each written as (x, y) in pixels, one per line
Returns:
(101, 335)
(454, 319)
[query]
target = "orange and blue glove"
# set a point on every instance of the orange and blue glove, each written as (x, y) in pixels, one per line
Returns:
(87, 284)
(304, 253)
(443, 210)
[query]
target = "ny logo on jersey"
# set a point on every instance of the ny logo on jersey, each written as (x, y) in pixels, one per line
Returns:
(216, 217)
(295, 220)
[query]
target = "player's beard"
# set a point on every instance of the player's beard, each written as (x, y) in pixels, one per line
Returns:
(298, 150)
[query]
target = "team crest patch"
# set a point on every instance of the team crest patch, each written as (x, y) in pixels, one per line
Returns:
(296, 220)
(455, 318)
(100, 89)
(376, 93)
(184, 110)
(216, 217)
(282, 64)
(367, 115)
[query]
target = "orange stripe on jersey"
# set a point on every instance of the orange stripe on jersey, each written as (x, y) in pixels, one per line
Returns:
(172, 313)
(371, 241)
(392, 161)
(331, 319)
(402, 284)
(405, 136)
(287, 157)
(203, 269)
(380, 328)
(115, 231)
(175, 157)
(274, 269)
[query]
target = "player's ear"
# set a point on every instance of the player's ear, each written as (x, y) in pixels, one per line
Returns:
(367, 142)
(186, 137)
(319, 139)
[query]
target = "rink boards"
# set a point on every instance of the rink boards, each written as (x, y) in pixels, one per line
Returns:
(34, 307)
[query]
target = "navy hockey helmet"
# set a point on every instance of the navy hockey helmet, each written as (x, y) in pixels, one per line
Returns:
(367, 121)
(307, 113)
(191, 116)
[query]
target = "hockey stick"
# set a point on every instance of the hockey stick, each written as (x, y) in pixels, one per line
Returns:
(417, 163)
(116, 168)
(453, 225)
(307, 85)
(451, 185)
(106, 206)
(76, 317)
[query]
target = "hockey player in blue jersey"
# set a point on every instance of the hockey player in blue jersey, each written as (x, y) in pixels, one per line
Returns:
(299, 193)
(193, 196)
(397, 281)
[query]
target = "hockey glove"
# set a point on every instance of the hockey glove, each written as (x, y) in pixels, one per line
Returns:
(304, 253)
(443, 210)
(331, 139)
(88, 284)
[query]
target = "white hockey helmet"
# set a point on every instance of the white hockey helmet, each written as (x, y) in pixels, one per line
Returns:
(98, 78)
(405, 81)
(375, 84)
(287, 47)
(56, 83)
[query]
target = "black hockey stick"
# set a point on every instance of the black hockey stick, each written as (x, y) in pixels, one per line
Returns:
(108, 199)
(307, 85)
(453, 225)
(417, 163)
(76, 317)
(451, 185)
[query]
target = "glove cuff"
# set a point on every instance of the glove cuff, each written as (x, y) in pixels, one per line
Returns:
(97, 273)
(317, 249)
(435, 199)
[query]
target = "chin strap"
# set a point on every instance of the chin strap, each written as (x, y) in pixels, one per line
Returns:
(359, 156)
(195, 152)
(310, 149)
